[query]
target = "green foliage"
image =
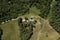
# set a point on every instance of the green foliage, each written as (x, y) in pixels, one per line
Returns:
(10, 9)
(55, 18)
(44, 6)
(26, 29)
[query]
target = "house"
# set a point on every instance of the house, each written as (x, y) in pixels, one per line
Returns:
(25, 19)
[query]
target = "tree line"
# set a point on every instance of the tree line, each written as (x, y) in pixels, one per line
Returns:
(11, 8)
(55, 16)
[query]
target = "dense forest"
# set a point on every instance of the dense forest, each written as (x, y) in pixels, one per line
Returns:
(55, 16)
(10, 7)
(50, 9)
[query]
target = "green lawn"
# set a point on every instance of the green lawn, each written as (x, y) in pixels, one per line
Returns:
(10, 30)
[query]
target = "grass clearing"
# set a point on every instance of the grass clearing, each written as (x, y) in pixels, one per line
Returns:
(10, 30)
(48, 33)
(44, 31)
